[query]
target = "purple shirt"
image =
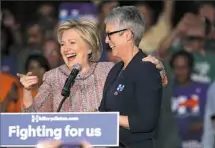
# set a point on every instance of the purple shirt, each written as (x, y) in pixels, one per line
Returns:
(188, 107)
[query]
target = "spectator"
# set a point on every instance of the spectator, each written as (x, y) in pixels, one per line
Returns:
(192, 32)
(209, 124)
(10, 22)
(35, 39)
(207, 10)
(51, 51)
(7, 61)
(194, 41)
(189, 99)
(35, 34)
(10, 93)
(154, 34)
(147, 11)
(47, 18)
(104, 8)
(37, 65)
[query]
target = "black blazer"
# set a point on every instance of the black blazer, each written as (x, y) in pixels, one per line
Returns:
(140, 99)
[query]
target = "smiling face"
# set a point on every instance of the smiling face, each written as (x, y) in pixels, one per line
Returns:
(79, 42)
(115, 39)
(124, 27)
(73, 48)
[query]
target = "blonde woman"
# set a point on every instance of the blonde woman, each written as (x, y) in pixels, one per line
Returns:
(79, 43)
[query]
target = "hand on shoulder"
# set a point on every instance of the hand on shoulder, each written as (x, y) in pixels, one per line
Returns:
(159, 65)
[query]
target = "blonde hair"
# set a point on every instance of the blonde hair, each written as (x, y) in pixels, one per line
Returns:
(88, 32)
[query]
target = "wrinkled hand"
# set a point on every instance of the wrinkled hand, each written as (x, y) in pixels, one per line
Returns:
(28, 80)
(56, 144)
(160, 66)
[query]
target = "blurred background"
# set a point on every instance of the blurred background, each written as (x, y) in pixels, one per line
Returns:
(180, 33)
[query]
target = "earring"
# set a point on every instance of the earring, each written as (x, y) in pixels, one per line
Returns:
(89, 54)
(89, 51)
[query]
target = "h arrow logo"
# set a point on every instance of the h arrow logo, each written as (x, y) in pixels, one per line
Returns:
(35, 118)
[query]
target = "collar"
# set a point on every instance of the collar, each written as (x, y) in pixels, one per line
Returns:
(82, 75)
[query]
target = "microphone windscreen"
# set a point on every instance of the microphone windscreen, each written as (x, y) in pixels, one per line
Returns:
(77, 66)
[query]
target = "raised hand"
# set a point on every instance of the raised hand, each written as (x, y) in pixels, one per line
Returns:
(9, 19)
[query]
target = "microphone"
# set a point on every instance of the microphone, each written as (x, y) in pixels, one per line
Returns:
(69, 81)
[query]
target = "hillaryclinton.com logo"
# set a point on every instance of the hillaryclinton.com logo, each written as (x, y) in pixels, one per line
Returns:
(38, 118)
(35, 118)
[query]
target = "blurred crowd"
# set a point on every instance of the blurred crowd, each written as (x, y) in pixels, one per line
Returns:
(183, 39)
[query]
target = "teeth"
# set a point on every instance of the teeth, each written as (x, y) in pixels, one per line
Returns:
(69, 56)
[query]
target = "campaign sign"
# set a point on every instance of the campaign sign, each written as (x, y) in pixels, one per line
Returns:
(26, 129)
(77, 10)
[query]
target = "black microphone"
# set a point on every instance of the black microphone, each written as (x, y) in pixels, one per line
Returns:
(69, 81)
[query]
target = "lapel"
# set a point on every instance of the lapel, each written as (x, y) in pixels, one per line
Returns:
(133, 64)
(112, 76)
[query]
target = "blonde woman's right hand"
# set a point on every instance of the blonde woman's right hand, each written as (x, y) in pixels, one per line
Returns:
(28, 80)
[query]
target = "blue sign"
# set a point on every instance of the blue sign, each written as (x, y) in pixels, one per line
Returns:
(27, 129)
(77, 10)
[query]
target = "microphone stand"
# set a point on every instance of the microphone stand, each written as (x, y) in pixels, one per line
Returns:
(65, 93)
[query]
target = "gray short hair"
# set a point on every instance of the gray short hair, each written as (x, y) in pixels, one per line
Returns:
(128, 17)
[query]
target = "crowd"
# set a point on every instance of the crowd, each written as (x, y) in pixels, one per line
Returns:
(185, 44)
